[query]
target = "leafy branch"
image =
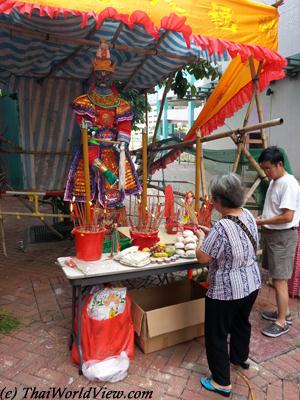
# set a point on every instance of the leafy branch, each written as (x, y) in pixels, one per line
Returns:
(137, 102)
(199, 70)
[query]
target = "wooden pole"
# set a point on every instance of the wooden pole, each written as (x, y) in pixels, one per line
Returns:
(248, 112)
(239, 131)
(237, 157)
(140, 66)
(94, 43)
(86, 168)
(242, 143)
(278, 3)
(252, 190)
(197, 172)
(254, 164)
(163, 100)
(202, 171)
(255, 75)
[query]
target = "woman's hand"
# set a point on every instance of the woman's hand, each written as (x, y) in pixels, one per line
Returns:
(205, 229)
(199, 233)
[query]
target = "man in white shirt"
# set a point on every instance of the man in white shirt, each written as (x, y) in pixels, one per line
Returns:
(280, 219)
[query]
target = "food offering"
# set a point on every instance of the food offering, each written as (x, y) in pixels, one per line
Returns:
(162, 253)
(186, 244)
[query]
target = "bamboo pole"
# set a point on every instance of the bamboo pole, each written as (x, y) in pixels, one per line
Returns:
(255, 75)
(94, 43)
(239, 131)
(242, 143)
(202, 171)
(163, 100)
(252, 190)
(140, 66)
(237, 157)
(254, 164)
(197, 172)
(248, 112)
(117, 33)
(277, 3)
(85, 149)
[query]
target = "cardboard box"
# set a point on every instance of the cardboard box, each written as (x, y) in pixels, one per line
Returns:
(168, 315)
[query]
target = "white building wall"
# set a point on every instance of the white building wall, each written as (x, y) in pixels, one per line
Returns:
(289, 28)
(285, 103)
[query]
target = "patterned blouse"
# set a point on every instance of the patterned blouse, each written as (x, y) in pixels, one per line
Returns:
(233, 271)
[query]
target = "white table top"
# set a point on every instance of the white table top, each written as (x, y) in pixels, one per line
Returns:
(107, 266)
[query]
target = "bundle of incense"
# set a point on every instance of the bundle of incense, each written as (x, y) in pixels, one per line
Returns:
(96, 213)
(191, 212)
(149, 226)
(131, 223)
(72, 214)
(145, 221)
(78, 212)
(140, 216)
(158, 217)
(79, 215)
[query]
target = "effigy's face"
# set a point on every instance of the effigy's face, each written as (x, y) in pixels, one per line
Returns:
(104, 78)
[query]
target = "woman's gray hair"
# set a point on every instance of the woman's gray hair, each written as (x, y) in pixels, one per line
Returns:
(228, 189)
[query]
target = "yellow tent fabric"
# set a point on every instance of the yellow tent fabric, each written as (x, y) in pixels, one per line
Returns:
(235, 78)
(243, 28)
(241, 21)
(233, 91)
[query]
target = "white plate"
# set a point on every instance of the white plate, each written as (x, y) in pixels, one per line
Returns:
(185, 256)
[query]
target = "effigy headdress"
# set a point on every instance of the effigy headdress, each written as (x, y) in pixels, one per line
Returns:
(102, 61)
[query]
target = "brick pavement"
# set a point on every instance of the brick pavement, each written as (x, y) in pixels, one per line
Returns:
(34, 289)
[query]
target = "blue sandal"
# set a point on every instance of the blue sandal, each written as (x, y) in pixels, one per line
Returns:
(206, 383)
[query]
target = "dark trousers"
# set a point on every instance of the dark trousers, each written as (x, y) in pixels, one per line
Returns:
(224, 317)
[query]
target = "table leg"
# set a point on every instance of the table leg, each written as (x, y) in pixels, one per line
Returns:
(73, 317)
(79, 329)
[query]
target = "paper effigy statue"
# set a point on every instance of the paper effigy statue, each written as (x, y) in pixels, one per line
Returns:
(108, 118)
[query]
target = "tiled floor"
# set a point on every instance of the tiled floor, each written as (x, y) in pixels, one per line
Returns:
(36, 355)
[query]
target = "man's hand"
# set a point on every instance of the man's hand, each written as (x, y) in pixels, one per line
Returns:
(259, 221)
(284, 218)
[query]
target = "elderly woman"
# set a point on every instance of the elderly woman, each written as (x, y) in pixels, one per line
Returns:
(234, 279)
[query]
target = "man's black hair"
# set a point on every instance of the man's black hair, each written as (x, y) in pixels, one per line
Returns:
(272, 154)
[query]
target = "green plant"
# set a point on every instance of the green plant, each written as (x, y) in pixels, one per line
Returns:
(180, 86)
(199, 70)
(137, 102)
(8, 322)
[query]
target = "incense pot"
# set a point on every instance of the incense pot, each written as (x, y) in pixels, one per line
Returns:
(88, 244)
(144, 239)
(172, 227)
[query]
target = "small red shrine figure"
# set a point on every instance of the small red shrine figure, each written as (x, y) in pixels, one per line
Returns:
(189, 200)
(108, 117)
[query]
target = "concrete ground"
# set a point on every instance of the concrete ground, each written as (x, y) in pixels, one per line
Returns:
(34, 289)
